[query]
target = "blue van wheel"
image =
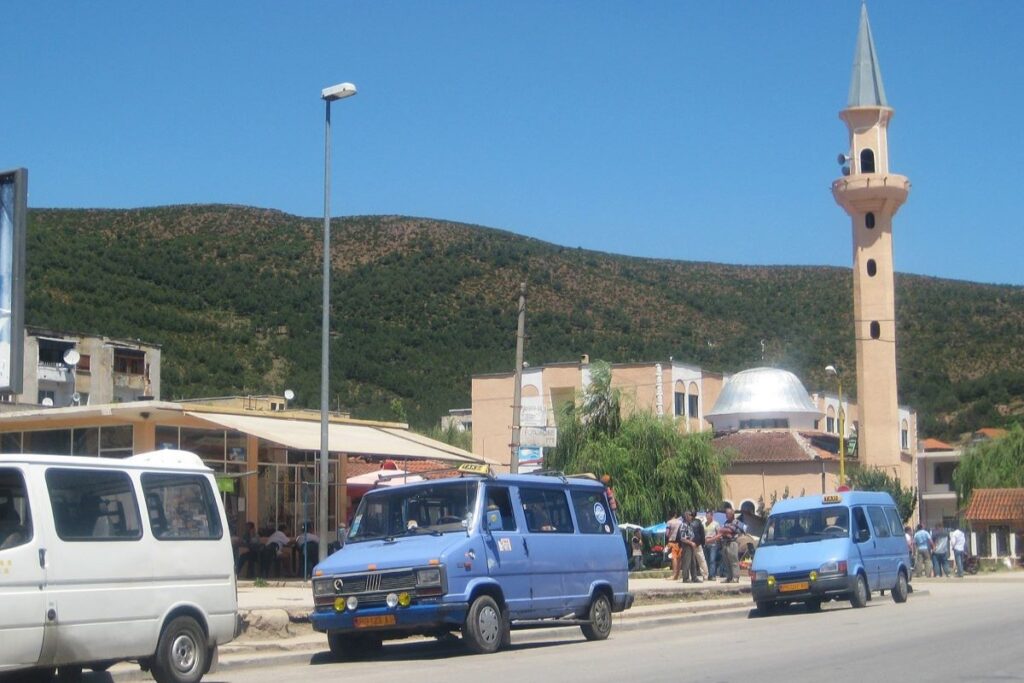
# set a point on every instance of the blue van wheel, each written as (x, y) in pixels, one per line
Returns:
(901, 589)
(485, 626)
(860, 595)
(600, 617)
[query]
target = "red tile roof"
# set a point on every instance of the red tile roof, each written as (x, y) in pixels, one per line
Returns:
(991, 432)
(935, 445)
(428, 469)
(768, 446)
(996, 505)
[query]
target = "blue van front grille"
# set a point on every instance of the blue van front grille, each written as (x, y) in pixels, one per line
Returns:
(377, 582)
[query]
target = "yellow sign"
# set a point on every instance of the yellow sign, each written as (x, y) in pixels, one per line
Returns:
(832, 498)
(475, 468)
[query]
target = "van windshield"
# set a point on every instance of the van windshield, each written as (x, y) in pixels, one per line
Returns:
(805, 526)
(429, 509)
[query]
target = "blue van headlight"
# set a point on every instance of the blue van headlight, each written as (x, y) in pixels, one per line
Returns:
(759, 576)
(428, 577)
(323, 587)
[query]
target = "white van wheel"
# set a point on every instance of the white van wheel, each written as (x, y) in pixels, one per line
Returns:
(600, 617)
(181, 653)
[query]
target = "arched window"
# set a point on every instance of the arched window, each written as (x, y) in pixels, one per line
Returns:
(869, 220)
(876, 329)
(679, 394)
(867, 161)
(830, 420)
(693, 401)
(872, 268)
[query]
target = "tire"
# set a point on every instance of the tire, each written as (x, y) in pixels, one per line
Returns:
(860, 595)
(813, 605)
(484, 628)
(180, 653)
(345, 646)
(765, 607)
(901, 589)
(600, 617)
(68, 674)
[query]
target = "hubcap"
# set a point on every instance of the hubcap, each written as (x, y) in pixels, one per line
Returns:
(183, 653)
(601, 616)
(489, 623)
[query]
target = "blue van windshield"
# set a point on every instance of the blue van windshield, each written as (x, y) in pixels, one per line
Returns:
(805, 526)
(429, 509)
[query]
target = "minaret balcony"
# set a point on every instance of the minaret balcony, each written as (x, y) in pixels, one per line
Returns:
(871, 192)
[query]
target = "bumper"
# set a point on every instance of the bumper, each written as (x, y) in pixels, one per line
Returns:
(622, 602)
(409, 620)
(823, 587)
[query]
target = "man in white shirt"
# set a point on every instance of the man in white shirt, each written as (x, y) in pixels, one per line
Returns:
(273, 550)
(958, 542)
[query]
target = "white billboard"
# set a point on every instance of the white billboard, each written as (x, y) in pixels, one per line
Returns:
(13, 209)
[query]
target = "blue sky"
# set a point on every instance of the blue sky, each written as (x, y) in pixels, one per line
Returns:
(697, 131)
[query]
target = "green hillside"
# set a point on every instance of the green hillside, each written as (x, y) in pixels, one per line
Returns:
(233, 296)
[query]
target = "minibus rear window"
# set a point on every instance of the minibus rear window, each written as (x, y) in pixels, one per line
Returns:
(93, 505)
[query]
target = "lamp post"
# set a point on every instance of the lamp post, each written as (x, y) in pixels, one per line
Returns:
(328, 95)
(831, 369)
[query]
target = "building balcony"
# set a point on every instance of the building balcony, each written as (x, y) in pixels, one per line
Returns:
(124, 380)
(53, 372)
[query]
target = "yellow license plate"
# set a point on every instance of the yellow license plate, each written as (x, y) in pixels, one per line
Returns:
(790, 587)
(369, 622)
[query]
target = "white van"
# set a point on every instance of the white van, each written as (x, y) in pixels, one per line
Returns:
(104, 559)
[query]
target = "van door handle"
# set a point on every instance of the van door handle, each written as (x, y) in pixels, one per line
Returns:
(42, 558)
(526, 548)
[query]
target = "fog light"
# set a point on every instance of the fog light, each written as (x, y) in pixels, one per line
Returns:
(339, 604)
(404, 599)
(813, 576)
(352, 602)
(771, 581)
(391, 600)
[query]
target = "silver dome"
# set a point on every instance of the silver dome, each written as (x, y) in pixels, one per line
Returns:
(763, 390)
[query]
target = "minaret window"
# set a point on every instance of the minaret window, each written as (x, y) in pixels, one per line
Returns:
(867, 161)
(872, 268)
(869, 220)
(876, 329)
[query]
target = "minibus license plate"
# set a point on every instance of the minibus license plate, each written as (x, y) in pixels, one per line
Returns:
(367, 622)
(790, 587)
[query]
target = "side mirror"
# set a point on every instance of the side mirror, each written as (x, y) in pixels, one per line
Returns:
(494, 522)
(863, 535)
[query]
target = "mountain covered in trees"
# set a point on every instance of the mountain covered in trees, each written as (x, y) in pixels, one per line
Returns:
(233, 296)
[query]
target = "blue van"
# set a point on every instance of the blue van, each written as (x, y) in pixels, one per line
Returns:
(478, 553)
(840, 546)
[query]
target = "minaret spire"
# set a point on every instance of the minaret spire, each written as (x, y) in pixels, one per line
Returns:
(866, 88)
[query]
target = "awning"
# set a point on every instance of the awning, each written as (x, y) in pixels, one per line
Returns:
(341, 438)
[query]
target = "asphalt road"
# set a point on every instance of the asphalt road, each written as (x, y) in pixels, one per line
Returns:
(961, 631)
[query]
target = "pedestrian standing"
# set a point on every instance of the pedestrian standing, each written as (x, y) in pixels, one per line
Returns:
(711, 527)
(672, 540)
(697, 524)
(637, 545)
(686, 546)
(958, 542)
(729, 534)
(923, 546)
(940, 552)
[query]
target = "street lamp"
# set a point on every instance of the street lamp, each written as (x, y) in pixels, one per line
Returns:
(831, 369)
(328, 95)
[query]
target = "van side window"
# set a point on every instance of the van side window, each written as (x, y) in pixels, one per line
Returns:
(92, 505)
(546, 510)
(895, 524)
(878, 521)
(498, 498)
(860, 525)
(180, 507)
(591, 512)
(15, 517)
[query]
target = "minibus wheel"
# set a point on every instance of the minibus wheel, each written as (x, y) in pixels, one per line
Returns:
(181, 652)
(600, 617)
(485, 626)
(899, 591)
(860, 592)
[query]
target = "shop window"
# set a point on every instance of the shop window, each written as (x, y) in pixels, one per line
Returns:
(50, 441)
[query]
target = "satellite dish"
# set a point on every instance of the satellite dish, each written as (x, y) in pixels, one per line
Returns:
(76, 398)
(48, 402)
(289, 394)
(71, 357)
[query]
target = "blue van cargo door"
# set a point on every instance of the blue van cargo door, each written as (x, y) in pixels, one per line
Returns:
(866, 546)
(885, 548)
(507, 558)
(550, 543)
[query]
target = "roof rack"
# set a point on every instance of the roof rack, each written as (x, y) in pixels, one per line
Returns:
(471, 468)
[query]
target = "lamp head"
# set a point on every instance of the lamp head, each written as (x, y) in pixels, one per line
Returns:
(338, 92)
(831, 369)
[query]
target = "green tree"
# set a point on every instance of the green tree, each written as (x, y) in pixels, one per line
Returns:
(453, 436)
(871, 479)
(991, 465)
(599, 408)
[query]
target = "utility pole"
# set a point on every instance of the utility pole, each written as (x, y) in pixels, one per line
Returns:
(517, 390)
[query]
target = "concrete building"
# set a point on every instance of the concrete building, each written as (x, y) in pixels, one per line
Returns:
(66, 369)
(670, 389)
(937, 504)
(872, 195)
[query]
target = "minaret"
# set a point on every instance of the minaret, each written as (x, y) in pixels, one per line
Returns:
(871, 195)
